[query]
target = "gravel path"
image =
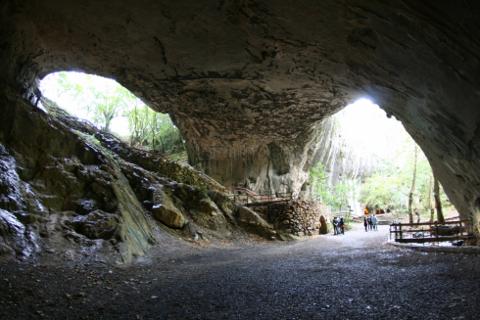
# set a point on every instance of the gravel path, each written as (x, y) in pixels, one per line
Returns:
(355, 276)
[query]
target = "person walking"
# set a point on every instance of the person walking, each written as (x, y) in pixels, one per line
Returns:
(335, 226)
(374, 222)
(365, 224)
(341, 225)
(369, 221)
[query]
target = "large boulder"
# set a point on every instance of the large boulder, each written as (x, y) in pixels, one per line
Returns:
(168, 214)
(254, 223)
(207, 206)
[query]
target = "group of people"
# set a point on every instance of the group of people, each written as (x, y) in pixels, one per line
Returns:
(370, 222)
(338, 225)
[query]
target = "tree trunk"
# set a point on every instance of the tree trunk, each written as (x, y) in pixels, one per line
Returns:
(107, 124)
(429, 199)
(108, 120)
(134, 134)
(438, 202)
(412, 188)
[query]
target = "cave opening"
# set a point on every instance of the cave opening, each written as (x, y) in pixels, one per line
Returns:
(368, 160)
(249, 84)
(111, 107)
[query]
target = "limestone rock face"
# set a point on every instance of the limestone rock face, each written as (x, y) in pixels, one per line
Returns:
(64, 192)
(15, 239)
(248, 80)
(96, 225)
(67, 188)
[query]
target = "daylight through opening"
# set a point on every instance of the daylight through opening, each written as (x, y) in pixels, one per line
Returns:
(369, 161)
(113, 108)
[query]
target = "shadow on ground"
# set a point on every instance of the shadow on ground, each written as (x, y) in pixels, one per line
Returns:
(354, 276)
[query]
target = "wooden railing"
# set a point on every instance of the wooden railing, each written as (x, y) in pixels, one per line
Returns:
(247, 197)
(431, 231)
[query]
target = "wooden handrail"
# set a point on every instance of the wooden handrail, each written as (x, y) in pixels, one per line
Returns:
(431, 223)
(248, 196)
(433, 233)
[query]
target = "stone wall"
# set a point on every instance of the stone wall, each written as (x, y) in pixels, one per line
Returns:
(296, 217)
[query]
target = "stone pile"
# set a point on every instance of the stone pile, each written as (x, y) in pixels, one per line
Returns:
(296, 217)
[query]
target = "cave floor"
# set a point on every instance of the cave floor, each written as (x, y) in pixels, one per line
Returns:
(355, 276)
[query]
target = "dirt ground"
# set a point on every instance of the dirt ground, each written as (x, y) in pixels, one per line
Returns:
(354, 276)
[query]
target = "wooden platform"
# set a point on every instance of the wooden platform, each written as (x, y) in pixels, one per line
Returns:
(249, 198)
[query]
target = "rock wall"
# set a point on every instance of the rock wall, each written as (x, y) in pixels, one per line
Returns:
(265, 168)
(72, 191)
(59, 193)
(240, 75)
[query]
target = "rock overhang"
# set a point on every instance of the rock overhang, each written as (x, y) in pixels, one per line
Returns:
(238, 75)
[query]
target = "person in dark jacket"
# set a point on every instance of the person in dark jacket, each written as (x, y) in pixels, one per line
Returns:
(365, 224)
(341, 226)
(335, 226)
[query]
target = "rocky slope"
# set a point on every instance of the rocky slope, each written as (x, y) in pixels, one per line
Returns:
(68, 189)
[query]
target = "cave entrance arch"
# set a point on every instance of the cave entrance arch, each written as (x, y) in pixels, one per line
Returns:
(225, 71)
(367, 159)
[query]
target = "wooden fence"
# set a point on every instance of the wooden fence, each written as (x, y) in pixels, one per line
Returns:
(431, 231)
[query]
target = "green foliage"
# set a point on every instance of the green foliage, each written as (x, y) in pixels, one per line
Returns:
(386, 186)
(155, 130)
(319, 182)
(336, 197)
(102, 106)
(389, 186)
(102, 102)
(384, 191)
(105, 107)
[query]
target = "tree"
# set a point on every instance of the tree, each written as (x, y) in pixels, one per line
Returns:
(138, 123)
(107, 105)
(336, 196)
(385, 189)
(319, 183)
(429, 198)
(153, 130)
(412, 187)
(103, 104)
(438, 202)
(101, 100)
